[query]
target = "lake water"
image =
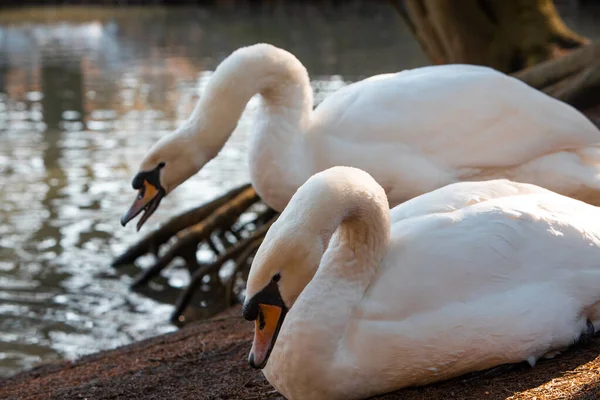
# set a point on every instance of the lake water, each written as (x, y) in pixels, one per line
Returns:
(84, 92)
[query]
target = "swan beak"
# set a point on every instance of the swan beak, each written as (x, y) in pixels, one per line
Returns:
(267, 309)
(267, 325)
(148, 199)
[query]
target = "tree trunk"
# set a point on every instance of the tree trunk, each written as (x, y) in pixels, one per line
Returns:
(508, 35)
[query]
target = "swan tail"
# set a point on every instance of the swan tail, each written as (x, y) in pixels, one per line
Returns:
(574, 173)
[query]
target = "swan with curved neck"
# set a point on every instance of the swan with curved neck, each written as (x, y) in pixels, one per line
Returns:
(350, 302)
(414, 131)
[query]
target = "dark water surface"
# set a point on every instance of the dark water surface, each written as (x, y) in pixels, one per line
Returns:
(83, 94)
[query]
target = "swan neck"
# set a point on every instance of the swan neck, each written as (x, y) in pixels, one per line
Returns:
(280, 79)
(353, 256)
(360, 236)
(352, 215)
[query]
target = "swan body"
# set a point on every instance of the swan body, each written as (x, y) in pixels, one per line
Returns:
(413, 131)
(465, 278)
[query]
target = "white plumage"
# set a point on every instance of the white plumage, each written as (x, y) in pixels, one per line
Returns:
(413, 131)
(467, 277)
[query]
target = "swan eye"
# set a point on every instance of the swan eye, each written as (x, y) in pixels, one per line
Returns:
(161, 165)
(276, 277)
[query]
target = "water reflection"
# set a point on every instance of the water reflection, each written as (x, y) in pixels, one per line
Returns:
(80, 103)
(83, 95)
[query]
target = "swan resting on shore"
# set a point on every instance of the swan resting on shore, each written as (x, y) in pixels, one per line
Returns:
(413, 131)
(351, 300)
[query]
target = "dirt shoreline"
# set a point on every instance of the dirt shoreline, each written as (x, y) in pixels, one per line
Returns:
(207, 360)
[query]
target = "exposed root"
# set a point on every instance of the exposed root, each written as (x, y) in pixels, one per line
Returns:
(152, 242)
(243, 262)
(526, 38)
(242, 252)
(218, 226)
(188, 239)
(582, 90)
(573, 78)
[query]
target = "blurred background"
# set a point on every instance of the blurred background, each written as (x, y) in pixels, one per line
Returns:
(86, 88)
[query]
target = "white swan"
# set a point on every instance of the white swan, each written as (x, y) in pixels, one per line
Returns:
(508, 272)
(413, 131)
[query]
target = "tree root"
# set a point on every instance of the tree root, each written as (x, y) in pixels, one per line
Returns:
(242, 252)
(188, 239)
(217, 225)
(552, 71)
(505, 35)
(152, 241)
(573, 78)
(526, 38)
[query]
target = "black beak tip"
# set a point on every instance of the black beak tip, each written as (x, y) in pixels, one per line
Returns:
(123, 221)
(251, 361)
(250, 310)
(253, 364)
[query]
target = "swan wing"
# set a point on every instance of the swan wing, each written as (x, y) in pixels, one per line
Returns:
(459, 195)
(493, 246)
(500, 281)
(458, 116)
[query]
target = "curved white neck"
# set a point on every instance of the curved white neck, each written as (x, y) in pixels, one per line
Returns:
(275, 74)
(352, 257)
(358, 211)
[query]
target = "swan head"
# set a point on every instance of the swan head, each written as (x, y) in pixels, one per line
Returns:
(284, 264)
(170, 162)
(292, 249)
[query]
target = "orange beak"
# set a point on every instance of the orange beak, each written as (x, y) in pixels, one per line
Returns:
(267, 325)
(148, 199)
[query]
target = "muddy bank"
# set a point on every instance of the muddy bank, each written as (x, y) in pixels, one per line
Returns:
(207, 360)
